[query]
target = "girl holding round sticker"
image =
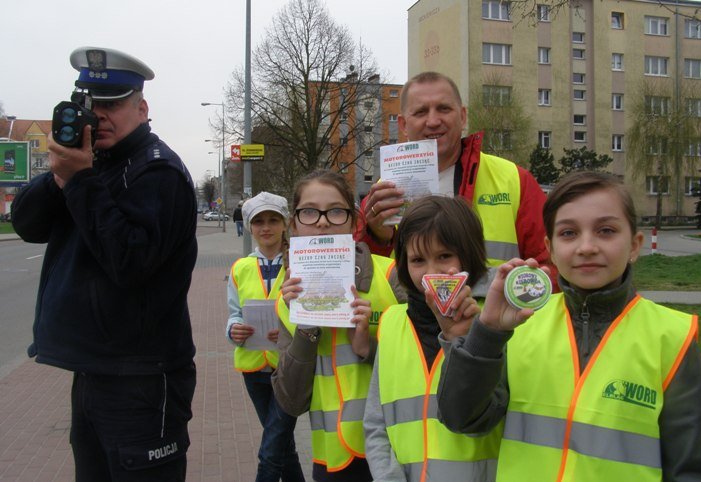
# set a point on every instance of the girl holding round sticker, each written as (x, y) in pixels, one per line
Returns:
(599, 384)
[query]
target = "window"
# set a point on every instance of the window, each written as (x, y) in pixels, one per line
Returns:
(543, 96)
(580, 136)
(544, 139)
(617, 101)
(344, 116)
(692, 185)
(368, 153)
(617, 143)
(692, 68)
(543, 13)
(394, 93)
(656, 25)
(577, 78)
(655, 105)
(495, 10)
(34, 143)
(392, 140)
(393, 117)
(692, 28)
(578, 37)
(368, 128)
(577, 53)
(656, 65)
(694, 148)
(499, 139)
(617, 20)
(367, 178)
(657, 146)
(579, 120)
(344, 140)
(579, 94)
(368, 104)
(543, 55)
(497, 95)
(657, 184)
(693, 107)
(496, 54)
(616, 61)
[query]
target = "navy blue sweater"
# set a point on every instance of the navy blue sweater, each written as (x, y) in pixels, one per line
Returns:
(121, 249)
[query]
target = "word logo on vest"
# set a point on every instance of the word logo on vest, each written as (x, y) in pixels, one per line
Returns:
(164, 451)
(630, 392)
(495, 199)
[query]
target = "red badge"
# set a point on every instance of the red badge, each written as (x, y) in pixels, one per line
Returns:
(444, 288)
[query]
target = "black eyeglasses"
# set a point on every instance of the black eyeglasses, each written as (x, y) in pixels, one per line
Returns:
(335, 216)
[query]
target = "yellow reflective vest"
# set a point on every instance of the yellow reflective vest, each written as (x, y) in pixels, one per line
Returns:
(601, 425)
(341, 380)
(496, 200)
(426, 449)
(247, 278)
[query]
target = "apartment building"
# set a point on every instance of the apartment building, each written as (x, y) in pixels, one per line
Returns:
(578, 71)
(369, 124)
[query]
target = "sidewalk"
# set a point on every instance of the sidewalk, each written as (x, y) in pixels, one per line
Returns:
(225, 432)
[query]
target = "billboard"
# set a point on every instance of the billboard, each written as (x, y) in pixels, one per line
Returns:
(14, 162)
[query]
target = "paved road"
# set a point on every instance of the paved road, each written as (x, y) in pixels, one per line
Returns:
(673, 242)
(20, 266)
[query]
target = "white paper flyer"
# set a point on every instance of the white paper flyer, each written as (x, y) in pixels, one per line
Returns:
(326, 265)
(261, 315)
(413, 167)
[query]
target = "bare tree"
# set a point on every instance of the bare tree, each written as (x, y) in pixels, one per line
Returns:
(665, 135)
(209, 190)
(308, 76)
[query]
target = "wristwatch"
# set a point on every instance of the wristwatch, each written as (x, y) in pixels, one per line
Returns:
(312, 334)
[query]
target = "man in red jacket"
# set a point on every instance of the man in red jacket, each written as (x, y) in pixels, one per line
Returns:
(507, 197)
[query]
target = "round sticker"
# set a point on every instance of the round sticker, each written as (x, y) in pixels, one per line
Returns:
(527, 288)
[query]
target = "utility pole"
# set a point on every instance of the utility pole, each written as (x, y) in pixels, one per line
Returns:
(247, 189)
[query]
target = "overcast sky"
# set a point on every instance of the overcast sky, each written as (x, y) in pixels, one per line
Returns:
(192, 46)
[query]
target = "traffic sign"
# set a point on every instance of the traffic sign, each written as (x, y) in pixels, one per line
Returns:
(236, 153)
(252, 152)
(219, 201)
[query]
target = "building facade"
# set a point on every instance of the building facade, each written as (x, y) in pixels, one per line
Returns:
(35, 132)
(579, 71)
(370, 123)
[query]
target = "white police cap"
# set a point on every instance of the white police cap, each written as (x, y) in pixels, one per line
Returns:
(109, 74)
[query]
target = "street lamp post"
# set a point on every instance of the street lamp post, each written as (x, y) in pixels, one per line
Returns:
(12, 119)
(247, 171)
(222, 169)
(218, 153)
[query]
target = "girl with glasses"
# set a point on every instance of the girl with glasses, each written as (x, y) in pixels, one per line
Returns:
(326, 371)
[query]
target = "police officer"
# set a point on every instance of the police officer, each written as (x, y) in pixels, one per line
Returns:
(119, 218)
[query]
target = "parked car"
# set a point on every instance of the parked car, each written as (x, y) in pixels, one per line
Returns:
(214, 216)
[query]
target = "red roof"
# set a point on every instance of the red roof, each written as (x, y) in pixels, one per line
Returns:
(21, 126)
